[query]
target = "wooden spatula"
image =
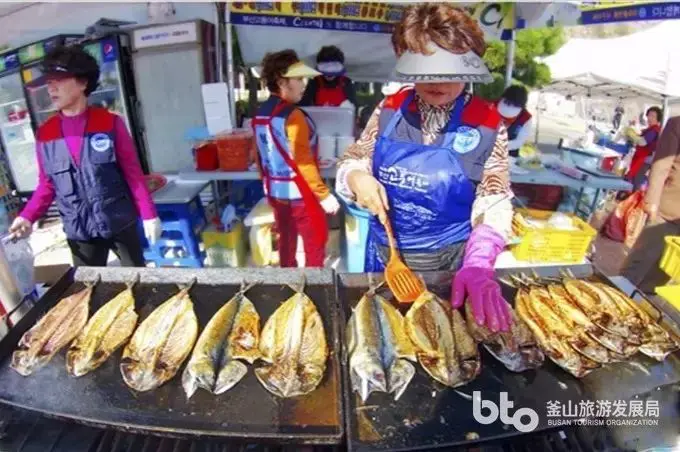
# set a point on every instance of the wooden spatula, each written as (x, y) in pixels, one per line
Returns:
(403, 283)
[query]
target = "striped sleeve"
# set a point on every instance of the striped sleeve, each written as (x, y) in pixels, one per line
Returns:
(358, 156)
(493, 205)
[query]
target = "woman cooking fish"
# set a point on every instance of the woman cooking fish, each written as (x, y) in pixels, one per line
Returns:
(433, 160)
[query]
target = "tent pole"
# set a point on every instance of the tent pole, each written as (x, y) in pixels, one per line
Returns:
(538, 117)
(230, 63)
(509, 58)
(666, 113)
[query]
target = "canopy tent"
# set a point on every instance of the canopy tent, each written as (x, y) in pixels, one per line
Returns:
(643, 64)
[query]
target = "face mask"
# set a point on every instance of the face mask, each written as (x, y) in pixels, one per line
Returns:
(507, 110)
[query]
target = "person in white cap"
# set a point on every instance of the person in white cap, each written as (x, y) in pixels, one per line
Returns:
(287, 157)
(433, 160)
(513, 108)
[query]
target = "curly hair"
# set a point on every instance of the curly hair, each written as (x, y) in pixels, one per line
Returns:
(77, 62)
(329, 54)
(447, 26)
(658, 111)
(274, 65)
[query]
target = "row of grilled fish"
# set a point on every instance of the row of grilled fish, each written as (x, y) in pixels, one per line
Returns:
(581, 325)
(292, 345)
(382, 345)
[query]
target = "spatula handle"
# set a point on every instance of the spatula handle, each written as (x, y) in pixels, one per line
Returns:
(390, 235)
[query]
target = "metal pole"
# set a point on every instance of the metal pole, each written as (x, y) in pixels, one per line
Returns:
(509, 58)
(538, 116)
(230, 64)
(666, 113)
(219, 48)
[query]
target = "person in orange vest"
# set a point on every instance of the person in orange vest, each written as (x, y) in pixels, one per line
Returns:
(645, 145)
(512, 107)
(287, 157)
(331, 88)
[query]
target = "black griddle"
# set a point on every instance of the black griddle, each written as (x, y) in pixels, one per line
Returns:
(247, 411)
(429, 415)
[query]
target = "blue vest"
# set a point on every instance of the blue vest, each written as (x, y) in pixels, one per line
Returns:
(514, 128)
(430, 188)
(277, 173)
(93, 198)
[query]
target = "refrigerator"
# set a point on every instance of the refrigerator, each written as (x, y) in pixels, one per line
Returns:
(115, 90)
(17, 121)
(171, 62)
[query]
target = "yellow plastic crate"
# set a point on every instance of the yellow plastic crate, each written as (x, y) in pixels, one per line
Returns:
(670, 261)
(671, 294)
(226, 249)
(550, 244)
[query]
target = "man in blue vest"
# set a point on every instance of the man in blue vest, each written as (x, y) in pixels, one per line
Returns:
(88, 163)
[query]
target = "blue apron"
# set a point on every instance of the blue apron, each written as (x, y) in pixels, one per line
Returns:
(429, 193)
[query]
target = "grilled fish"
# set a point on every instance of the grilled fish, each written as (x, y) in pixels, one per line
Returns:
(560, 352)
(516, 349)
(596, 307)
(53, 332)
(232, 334)
(378, 348)
(293, 344)
(109, 328)
(657, 343)
(443, 345)
(564, 327)
(567, 307)
(161, 343)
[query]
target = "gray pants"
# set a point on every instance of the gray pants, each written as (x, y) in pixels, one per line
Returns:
(642, 264)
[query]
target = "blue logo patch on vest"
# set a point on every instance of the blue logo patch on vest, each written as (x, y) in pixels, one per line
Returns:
(100, 142)
(467, 139)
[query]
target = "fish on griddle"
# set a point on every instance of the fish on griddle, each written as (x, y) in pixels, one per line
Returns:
(596, 307)
(443, 345)
(53, 332)
(657, 343)
(558, 350)
(293, 346)
(379, 349)
(516, 349)
(109, 328)
(231, 335)
(161, 343)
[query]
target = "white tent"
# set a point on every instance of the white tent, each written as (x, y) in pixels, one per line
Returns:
(643, 64)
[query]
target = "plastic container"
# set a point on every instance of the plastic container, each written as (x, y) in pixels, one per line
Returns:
(226, 249)
(670, 261)
(549, 244)
(234, 150)
(670, 293)
(355, 235)
(205, 156)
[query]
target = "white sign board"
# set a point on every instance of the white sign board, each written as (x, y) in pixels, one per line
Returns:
(164, 35)
(216, 107)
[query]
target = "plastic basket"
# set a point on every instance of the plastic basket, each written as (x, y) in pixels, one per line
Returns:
(234, 150)
(550, 244)
(670, 261)
(671, 294)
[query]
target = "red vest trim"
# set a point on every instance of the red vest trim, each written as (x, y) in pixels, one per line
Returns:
(477, 112)
(99, 120)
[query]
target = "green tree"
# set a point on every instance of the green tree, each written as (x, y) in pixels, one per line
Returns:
(530, 44)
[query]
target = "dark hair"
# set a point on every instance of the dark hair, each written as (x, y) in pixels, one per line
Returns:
(449, 27)
(658, 111)
(274, 65)
(75, 61)
(516, 95)
(329, 54)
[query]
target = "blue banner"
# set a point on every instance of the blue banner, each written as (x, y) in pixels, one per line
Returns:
(314, 23)
(631, 12)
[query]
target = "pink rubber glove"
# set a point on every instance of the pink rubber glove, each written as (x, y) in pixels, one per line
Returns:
(476, 279)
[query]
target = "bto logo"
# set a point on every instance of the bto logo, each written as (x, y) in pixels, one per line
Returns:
(493, 411)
